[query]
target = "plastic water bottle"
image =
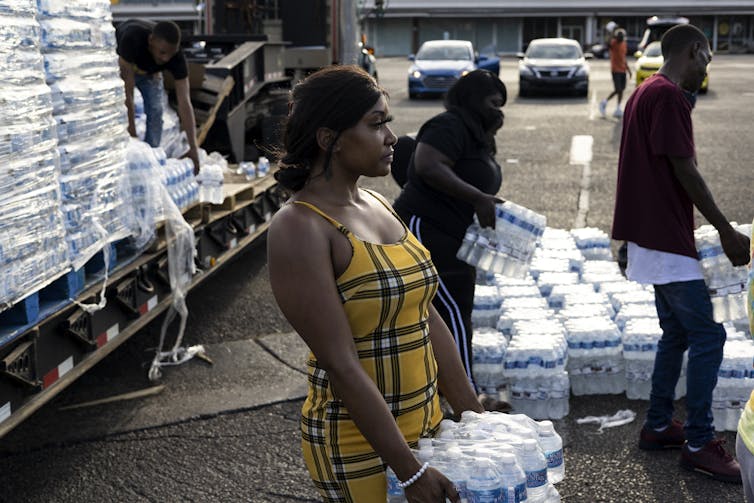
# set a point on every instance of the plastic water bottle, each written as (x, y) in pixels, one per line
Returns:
(455, 467)
(552, 445)
(263, 166)
(535, 468)
(512, 478)
(468, 243)
(248, 169)
(394, 491)
(484, 484)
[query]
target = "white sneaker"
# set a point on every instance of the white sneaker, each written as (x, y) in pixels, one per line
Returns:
(603, 107)
(618, 113)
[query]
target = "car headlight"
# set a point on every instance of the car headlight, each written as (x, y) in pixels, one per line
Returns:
(582, 71)
(525, 70)
(416, 74)
(463, 72)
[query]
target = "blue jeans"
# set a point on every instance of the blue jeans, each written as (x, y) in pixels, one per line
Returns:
(150, 87)
(685, 313)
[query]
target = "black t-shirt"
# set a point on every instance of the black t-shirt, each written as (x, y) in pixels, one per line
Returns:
(133, 46)
(472, 162)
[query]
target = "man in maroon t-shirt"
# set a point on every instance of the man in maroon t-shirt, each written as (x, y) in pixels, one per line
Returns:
(658, 187)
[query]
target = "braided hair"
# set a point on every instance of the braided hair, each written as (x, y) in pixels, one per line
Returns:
(336, 97)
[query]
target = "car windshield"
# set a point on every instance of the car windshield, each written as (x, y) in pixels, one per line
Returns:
(653, 50)
(553, 51)
(444, 52)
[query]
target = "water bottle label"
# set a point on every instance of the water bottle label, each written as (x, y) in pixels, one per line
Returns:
(554, 458)
(488, 495)
(393, 489)
(536, 478)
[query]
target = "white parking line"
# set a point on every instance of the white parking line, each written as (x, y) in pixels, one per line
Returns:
(581, 153)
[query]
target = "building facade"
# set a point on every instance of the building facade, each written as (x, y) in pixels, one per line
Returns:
(398, 27)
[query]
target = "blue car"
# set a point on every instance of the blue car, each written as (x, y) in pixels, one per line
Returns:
(440, 63)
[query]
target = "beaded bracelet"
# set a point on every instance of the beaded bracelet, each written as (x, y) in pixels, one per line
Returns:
(416, 476)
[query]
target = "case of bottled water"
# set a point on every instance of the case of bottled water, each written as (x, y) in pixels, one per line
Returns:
(594, 243)
(601, 272)
(508, 248)
(181, 182)
(557, 298)
(640, 338)
(726, 283)
(547, 280)
(486, 309)
(488, 349)
(493, 457)
(735, 380)
(595, 359)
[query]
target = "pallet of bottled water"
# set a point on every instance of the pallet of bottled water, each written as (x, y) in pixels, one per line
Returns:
(735, 380)
(508, 248)
(726, 283)
(493, 457)
(33, 250)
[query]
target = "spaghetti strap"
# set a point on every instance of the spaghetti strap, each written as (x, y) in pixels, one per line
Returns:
(335, 223)
(387, 206)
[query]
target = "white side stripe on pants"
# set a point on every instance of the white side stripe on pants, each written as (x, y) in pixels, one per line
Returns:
(458, 329)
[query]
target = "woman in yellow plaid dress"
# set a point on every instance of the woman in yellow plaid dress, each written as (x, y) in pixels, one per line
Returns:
(357, 286)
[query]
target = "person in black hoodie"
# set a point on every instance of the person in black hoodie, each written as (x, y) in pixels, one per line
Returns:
(452, 176)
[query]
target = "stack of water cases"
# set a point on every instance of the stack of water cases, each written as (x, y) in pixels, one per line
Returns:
(726, 284)
(535, 359)
(32, 244)
(493, 457)
(509, 247)
(735, 379)
(145, 169)
(81, 67)
(486, 308)
(489, 347)
(178, 177)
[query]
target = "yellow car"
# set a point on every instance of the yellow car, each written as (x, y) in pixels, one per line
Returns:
(650, 61)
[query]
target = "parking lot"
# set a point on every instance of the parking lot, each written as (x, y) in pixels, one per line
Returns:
(229, 432)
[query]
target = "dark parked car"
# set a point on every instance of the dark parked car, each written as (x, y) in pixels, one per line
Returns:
(602, 51)
(440, 63)
(553, 65)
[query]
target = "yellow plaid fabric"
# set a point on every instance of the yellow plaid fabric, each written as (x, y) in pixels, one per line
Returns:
(386, 292)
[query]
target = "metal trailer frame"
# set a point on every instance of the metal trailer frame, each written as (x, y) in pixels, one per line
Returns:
(40, 359)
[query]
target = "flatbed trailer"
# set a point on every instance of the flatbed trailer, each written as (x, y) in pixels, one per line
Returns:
(48, 341)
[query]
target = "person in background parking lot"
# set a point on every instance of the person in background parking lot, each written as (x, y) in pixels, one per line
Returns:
(619, 68)
(658, 187)
(357, 286)
(452, 177)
